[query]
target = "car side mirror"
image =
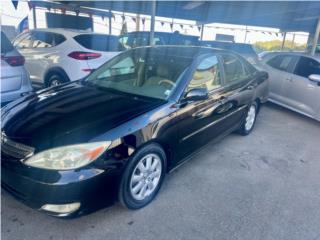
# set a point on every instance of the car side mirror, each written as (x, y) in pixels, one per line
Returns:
(196, 94)
(315, 78)
(263, 75)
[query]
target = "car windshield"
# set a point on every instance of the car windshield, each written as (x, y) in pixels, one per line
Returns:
(148, 72)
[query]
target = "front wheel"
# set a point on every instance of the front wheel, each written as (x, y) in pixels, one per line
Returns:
(250, 119)
(143, 177)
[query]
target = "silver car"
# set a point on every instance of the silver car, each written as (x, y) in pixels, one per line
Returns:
(15, 80)
(294, 81)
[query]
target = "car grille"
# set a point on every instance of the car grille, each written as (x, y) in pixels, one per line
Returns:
(15, 149)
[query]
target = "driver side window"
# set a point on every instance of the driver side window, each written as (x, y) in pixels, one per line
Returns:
(207, 75)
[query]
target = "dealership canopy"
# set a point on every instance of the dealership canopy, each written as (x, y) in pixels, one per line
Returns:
(285, 15)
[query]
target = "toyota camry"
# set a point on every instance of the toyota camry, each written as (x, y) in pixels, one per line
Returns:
(114, 135)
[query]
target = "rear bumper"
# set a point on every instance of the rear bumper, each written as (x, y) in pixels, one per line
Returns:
(92, 188)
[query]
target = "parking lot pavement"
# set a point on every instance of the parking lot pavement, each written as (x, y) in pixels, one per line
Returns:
(263, 186)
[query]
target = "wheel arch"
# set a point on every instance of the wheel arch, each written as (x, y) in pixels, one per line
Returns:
(131, 140)
(55, 70)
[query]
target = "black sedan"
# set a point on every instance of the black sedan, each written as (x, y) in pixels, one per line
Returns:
(70, 149)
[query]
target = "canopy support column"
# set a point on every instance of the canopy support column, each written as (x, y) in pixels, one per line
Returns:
(202, 29)
(110, 23)
(34, 15)
(283, 40)
(138, 23)
(152, 23)
(316, 38)
(245, 35)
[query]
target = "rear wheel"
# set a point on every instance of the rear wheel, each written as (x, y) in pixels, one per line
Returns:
(250, 119)
(143, 177)
(55, 79)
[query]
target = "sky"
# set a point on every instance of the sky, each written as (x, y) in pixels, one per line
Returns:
(11, 16)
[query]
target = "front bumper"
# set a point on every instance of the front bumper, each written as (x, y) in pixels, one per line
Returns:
(93, 188)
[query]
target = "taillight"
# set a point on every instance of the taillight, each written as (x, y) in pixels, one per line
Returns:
(84, 55)
(13, 60)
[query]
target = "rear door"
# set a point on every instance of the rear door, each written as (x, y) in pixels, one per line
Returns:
(280, 68)
(43, 53)
(38, 48)
(301, 93)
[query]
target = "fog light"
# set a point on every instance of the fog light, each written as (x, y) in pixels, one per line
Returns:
(61, 208)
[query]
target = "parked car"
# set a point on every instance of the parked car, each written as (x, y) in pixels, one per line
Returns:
(245, 50)
(295, 81)
(309, 48)
(15, 80)
(54, 56)
(114, 135)
(139, 39)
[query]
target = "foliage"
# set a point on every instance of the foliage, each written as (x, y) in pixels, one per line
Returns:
(275, 45)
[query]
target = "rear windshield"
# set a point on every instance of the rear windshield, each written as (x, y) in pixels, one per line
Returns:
(6, 45)
(99, 42)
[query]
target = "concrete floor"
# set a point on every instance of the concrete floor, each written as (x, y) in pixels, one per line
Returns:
(263, 186)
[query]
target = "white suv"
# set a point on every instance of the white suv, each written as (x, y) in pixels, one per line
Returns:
(54, 56)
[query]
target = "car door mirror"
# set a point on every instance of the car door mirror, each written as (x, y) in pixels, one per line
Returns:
(263, 75)
(315, 78)
(196, 94)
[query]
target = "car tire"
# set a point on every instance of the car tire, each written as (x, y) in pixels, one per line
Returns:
(55, 79)
(141, 181)
(250, 120)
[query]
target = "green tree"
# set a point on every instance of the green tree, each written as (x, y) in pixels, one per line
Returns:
(275, 45)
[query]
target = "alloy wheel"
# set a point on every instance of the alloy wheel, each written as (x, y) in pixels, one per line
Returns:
(55, 82)
(251, 116)
(145, 177)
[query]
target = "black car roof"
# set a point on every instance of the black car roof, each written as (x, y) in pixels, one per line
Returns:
(160, 33)
(183, 51)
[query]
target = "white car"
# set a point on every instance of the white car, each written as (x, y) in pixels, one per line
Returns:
(294, 81)
(55, 56)
(15, 81)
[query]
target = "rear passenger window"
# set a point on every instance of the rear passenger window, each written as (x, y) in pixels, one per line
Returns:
(46, 39)
(282, 62)
(23, 41)
(99, 42)
(42, 40)
(307, 66)
(233, 68)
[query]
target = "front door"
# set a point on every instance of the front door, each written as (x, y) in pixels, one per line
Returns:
(201, 121)
(301, 93)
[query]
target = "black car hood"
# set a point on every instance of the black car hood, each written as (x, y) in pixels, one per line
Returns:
(69, 114)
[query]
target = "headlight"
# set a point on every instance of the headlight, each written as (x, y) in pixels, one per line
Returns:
(68, 157)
